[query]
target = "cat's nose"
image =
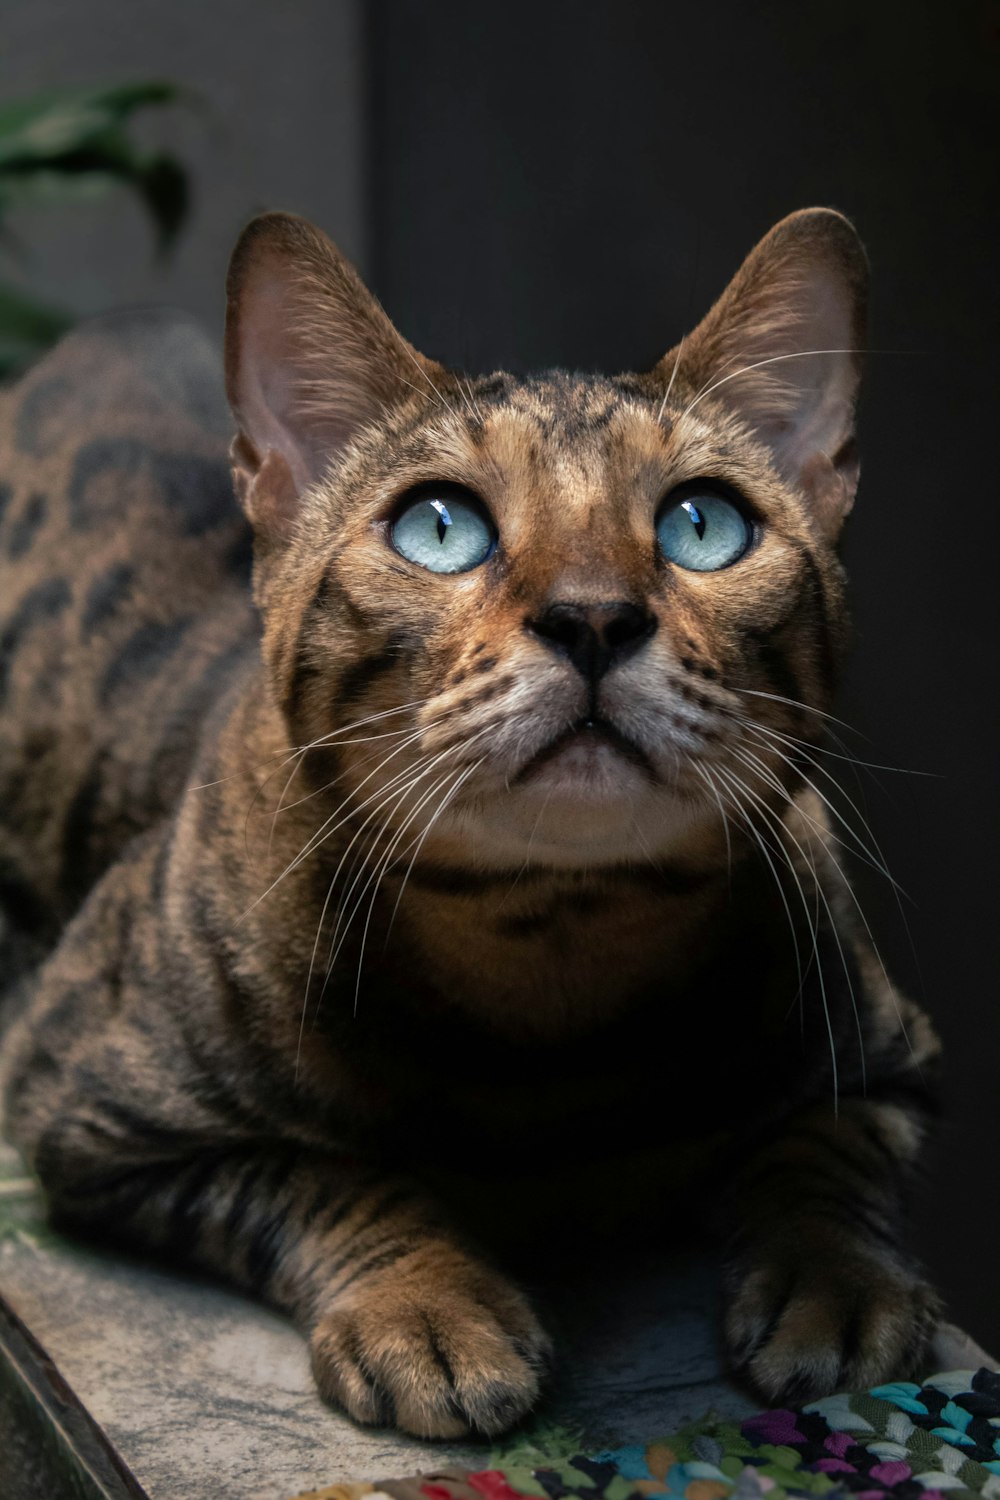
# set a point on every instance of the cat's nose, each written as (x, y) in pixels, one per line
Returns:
(594, 636)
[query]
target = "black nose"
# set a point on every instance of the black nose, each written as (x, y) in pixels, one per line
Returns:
(594, 636)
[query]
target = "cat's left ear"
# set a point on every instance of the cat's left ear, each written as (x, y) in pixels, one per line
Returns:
(311, 358)
(782, 350)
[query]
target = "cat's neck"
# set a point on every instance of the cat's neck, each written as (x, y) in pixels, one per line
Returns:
(554, 952)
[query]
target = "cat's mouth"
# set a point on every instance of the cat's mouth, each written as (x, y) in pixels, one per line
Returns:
(585, 745)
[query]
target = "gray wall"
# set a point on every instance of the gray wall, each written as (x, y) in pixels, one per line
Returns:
(281, 127)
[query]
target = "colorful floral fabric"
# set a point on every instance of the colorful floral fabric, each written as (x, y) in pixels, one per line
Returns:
(938, 1441)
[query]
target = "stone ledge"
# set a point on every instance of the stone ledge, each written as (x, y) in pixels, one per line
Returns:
(122, 1380)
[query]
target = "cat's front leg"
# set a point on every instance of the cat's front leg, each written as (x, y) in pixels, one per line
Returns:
(429, 1338)
(148, 1127)
(821, 1295)
(406, 1325)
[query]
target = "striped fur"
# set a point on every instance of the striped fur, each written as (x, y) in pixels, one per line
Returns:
(331, 971)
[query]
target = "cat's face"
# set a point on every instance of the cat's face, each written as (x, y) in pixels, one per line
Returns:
(562, 613)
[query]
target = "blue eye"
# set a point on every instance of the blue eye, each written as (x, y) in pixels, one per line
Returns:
(703, 532)
(443, 532)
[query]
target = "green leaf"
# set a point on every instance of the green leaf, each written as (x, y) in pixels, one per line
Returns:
(163, 186)
(27, 327)
(47, 125)
(27, 318)
(80, 140)
(73, 145)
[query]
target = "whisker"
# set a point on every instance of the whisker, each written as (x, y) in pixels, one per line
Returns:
(769, 813)
(297, 754)
(364, 740)
(799, 749)
(475, 404)
(449, 796)
(290, 750)
(812, 917)
(794, 703)
(853, 760)
(435, 391)
(759, 364)
(738, 782)
(274, 816)
(337, 940)
(326, 906)
(703, 770)
(376, 874)
(203, 786)
(670, 382)
(758, 838)
(326, 831)
(897, 891)
(380, 864)
(861, 851)
(387, 860)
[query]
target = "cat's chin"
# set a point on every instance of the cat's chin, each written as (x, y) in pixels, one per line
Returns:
(571, 820)
(588, 798)
(590, 763)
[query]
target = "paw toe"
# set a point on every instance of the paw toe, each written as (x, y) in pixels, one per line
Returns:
(437, 1363)
(803, 1334)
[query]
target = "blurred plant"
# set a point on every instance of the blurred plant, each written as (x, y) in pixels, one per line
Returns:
(69, 146)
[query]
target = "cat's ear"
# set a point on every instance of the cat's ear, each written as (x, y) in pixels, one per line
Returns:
(782, 350)
(310, 358)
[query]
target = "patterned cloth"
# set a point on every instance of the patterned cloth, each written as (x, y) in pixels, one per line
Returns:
(939, 1441)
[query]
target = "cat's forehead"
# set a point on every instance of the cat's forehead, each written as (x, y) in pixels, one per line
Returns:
(560, 402)
(548, 436)
(601, 432)
(569, 413)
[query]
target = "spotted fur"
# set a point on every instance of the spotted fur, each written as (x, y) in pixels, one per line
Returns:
(342, 962)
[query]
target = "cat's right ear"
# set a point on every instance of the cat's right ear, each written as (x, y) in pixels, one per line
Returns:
(311, 358)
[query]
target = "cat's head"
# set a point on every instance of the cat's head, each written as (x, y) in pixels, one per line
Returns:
(567, 617)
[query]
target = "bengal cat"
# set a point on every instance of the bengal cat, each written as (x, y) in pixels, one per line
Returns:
(470, 880)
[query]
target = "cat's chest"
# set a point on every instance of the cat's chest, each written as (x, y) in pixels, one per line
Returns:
(552, 956)
(677, 1062)
(584, 1136)
(555, 1056)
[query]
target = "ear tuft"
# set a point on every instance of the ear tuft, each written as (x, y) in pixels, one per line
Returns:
(781, 349)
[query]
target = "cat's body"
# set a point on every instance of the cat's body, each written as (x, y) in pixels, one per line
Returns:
(310, 1022)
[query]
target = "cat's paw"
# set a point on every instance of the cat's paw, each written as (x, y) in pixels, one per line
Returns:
(436, 1344)
(808, 1321)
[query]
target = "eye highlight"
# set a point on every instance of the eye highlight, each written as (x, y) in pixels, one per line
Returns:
(702, 530)
(445, 530)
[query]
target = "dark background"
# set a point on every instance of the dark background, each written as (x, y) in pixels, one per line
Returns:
(573, 183)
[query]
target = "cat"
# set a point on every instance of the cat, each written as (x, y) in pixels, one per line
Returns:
(468, 880)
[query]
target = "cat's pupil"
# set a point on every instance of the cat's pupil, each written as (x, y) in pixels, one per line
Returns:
(696, 517)
(444, 520)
